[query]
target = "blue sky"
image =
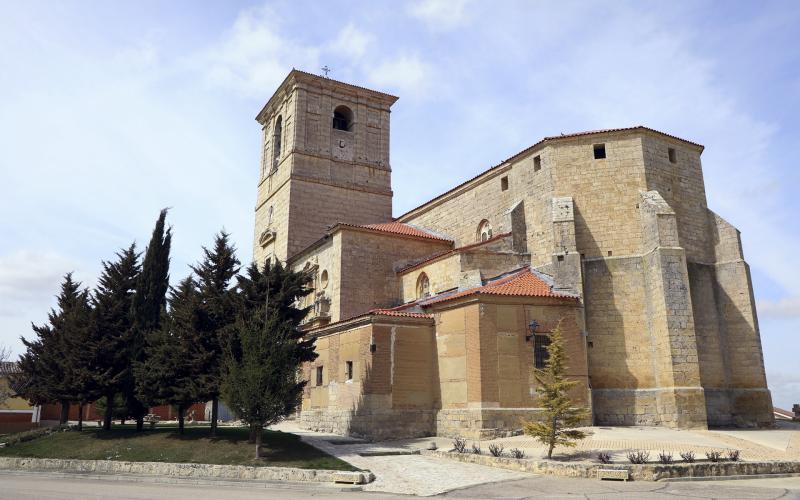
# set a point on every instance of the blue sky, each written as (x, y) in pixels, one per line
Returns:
(111, 111)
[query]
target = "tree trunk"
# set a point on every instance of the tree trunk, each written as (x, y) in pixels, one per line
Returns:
(252, 438)
(181, 412)
(258, 431)
(139, 423)
(214, 415)
(109, 412)
(80, 416)
(64, 412)
(552, 438)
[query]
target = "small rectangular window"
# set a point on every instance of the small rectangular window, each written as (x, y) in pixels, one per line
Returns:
(599, 151)
(503, 183)
(349, 370)
(671, 154)
(319, 376)
(537, 163)
(540, 353)
(610, 253)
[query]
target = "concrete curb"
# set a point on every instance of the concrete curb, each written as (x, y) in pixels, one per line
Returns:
(645, 472)
(178, 470)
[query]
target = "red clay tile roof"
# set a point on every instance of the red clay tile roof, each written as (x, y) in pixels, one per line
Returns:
(398, 313)
(446, 253)
(406, 230)
(541, 143)
(521, 283)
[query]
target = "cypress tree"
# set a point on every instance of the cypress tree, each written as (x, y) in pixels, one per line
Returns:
(560, 414)
(217, 312)
(112, 321)
(264, 347)
(149, 302)
(172, 369)
(46, 371)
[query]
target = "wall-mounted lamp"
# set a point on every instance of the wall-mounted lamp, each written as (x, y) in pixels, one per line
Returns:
(373, 347)
(532, 326)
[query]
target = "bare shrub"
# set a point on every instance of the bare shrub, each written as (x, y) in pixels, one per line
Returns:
(665, 458)
(460, 444)
(476, 449)
(688, 457)
(517, 453)
(496, 450)
(604, 457)
(714, 456)
(734, 455)
(638, 457)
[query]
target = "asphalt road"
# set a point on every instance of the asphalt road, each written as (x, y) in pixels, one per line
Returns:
(24, 486)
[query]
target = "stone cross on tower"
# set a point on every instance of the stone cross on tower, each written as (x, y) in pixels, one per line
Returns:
(326, 70)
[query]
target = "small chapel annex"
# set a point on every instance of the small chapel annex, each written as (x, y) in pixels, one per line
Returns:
(430, 323)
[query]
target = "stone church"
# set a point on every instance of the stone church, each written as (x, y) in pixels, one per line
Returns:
(430, 322)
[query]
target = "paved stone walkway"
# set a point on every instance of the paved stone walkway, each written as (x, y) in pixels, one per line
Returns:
(406, 474)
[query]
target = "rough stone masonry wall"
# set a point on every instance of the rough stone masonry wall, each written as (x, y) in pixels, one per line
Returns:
(369, 260)
(458, 214)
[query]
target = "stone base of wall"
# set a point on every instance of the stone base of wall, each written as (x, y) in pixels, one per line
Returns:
(739, 407)
(682, 408)
(237, 472)
(372, 424)
(645, 472)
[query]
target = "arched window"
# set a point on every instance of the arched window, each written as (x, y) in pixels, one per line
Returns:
(276, 143)
(484, 230)
(342, 118)
(423, 286)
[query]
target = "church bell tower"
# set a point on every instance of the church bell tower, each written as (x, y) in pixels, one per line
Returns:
(325, 160)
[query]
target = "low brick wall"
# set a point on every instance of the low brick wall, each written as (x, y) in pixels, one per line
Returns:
(646, 472)
(197, 471)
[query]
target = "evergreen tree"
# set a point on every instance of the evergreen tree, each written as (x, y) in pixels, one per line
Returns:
(560, 414)
(217, 312)
(46, 372)
(149, 302)
(112, 321)
(172, 371)
(264, 347)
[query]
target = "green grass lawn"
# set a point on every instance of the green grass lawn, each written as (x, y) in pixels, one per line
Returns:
(163, 444)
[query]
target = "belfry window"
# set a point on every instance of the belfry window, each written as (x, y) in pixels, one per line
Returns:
(342, 118)
(484, 230)
(423, 286)
(276, 143)
(599, 151)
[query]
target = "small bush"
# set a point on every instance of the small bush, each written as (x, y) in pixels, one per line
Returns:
(496, 450)
(517, 453)
(688, 457)
(21, 437)
(476, 449)
(460, 444)
(714, 456)
(734, 455)
(665, 458)
(638, 457)
(605, 458)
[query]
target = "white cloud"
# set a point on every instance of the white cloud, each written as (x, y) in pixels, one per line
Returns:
(785, 388)
(407, 75)
(351, 42)
(442, 15)
(784, 308)
(254, 57)
(30, 278)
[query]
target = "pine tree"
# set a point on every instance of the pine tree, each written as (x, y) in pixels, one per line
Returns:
(112, 321)
(46, 372)
(264, 347)
(560, 414)
(172, 372)
(217, 312)
(149, 302)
